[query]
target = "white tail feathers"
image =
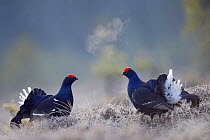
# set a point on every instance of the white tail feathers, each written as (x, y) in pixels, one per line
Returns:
(23, 97)
(170, 73)
(172, 89)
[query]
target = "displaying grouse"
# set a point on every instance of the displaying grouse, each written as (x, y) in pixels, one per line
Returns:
(165, 86)
(143, 97)
(38, 104)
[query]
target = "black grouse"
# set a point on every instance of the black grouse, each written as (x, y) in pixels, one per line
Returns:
(38, 104)
(165, 86)
(143, 98)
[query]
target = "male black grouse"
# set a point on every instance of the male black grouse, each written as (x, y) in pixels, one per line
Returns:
(143, 97)
(165, 86)
(38, 104)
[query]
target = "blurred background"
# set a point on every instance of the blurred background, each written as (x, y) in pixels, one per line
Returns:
(41, 42)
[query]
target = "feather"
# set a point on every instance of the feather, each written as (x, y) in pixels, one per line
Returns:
(172, 89)
(24, 96)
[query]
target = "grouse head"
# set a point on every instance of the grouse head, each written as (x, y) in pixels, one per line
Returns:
(129, 72)
(70, 79)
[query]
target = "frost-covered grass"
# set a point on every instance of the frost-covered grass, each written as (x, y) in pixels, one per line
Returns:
(121, 121)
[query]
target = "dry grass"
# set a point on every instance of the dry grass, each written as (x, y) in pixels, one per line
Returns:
(121, 121)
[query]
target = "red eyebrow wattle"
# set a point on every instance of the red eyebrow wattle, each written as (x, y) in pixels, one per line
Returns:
(71, 76)
(127, 69)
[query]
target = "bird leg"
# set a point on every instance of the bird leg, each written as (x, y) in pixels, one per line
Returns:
(151, 120)
(159, 118)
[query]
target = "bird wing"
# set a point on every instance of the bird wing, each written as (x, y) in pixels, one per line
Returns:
(44, 107)
(51, 107)
(146, 97)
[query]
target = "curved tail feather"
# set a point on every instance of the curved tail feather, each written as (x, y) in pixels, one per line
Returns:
(195, 100)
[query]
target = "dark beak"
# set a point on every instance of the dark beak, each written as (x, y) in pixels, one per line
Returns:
(76, 78)
(123, 73)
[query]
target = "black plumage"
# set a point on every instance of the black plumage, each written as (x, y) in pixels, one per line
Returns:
(144, 99)
(38, 104)
(148, 102)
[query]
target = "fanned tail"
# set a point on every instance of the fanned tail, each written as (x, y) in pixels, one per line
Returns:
(25, 108)
(24, 95)
(172, 89)
(169, 88)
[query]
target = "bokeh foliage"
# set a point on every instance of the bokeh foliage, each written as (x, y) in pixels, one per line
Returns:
(19, 58)
(110, 62)
(109, 66)
(23, 61)
(198, 28)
